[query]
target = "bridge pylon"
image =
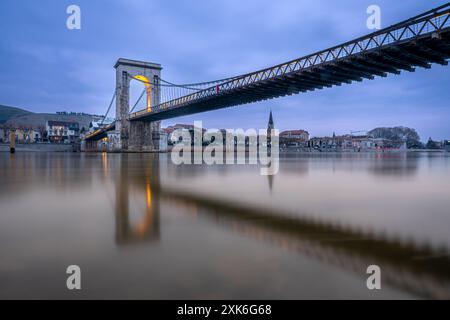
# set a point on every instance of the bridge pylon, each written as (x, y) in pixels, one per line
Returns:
(135, 136)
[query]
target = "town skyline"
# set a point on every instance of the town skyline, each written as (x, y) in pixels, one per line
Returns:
(174, 123)
(58, 72)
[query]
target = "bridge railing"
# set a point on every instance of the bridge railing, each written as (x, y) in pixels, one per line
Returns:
(424, 24)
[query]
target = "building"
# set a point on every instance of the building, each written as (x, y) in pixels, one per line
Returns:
(168, 131)
(447, 145)
(350, 142)
(3, 134)
(98, 124)
(295, 134)
(29, 136)
(435, 145)
(195, 139)
(363, 142)
(178, 126)
(294, 138)
(322, 143)
(25, 135)
(93, 126)
(62, 131)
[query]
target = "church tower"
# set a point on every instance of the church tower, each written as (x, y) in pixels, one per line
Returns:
(270, 125)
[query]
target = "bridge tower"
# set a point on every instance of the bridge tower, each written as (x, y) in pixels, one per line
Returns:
(135, 136)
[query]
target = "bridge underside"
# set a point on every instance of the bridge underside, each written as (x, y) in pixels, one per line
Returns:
(100, 133)
(405, 55)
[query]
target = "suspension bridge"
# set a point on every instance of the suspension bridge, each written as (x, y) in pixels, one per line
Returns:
(420, 41)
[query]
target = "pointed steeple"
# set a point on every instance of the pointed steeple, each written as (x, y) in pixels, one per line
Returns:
(270, 126)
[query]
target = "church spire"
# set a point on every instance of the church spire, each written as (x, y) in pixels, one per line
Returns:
(270, 126)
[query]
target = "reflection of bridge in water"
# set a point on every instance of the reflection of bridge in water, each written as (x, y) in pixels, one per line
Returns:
(148, 227)
(419, 269)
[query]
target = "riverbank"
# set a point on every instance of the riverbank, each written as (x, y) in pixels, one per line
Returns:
(39, 147)
(48, 147)
(311, 150)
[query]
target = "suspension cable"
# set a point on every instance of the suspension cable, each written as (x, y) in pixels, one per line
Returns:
(110, 105)
(138, 100)
(188, 86)
(200, 83)
(164, 85)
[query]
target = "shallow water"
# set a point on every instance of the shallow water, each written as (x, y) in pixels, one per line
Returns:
(140, 227)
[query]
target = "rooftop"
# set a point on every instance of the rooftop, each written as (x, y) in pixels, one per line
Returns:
(63, 123)
(294, 132)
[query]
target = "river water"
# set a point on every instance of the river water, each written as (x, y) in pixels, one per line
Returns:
(141, 227)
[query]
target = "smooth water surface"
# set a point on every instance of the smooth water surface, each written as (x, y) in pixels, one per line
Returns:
(141, 227)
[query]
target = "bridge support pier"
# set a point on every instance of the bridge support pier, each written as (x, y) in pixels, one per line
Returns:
(89, 146)
(135, 136)
(144, 136)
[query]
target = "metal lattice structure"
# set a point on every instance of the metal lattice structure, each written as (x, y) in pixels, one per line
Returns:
(416, 42)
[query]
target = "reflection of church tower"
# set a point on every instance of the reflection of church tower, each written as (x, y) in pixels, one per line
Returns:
(270, 126)
(270, 180)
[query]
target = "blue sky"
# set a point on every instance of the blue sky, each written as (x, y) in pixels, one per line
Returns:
(45, 67)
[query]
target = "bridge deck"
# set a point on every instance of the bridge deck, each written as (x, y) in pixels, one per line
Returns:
(417, 42)
(100, 133)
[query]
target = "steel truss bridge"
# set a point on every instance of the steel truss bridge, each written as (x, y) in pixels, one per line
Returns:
(417, 42)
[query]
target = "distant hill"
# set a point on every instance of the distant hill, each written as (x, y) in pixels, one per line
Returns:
(16, 118)
(36, 120)
(7, 113)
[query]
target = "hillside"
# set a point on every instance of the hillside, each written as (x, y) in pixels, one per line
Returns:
(16, 118)
(7, 113)
(36, 120)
